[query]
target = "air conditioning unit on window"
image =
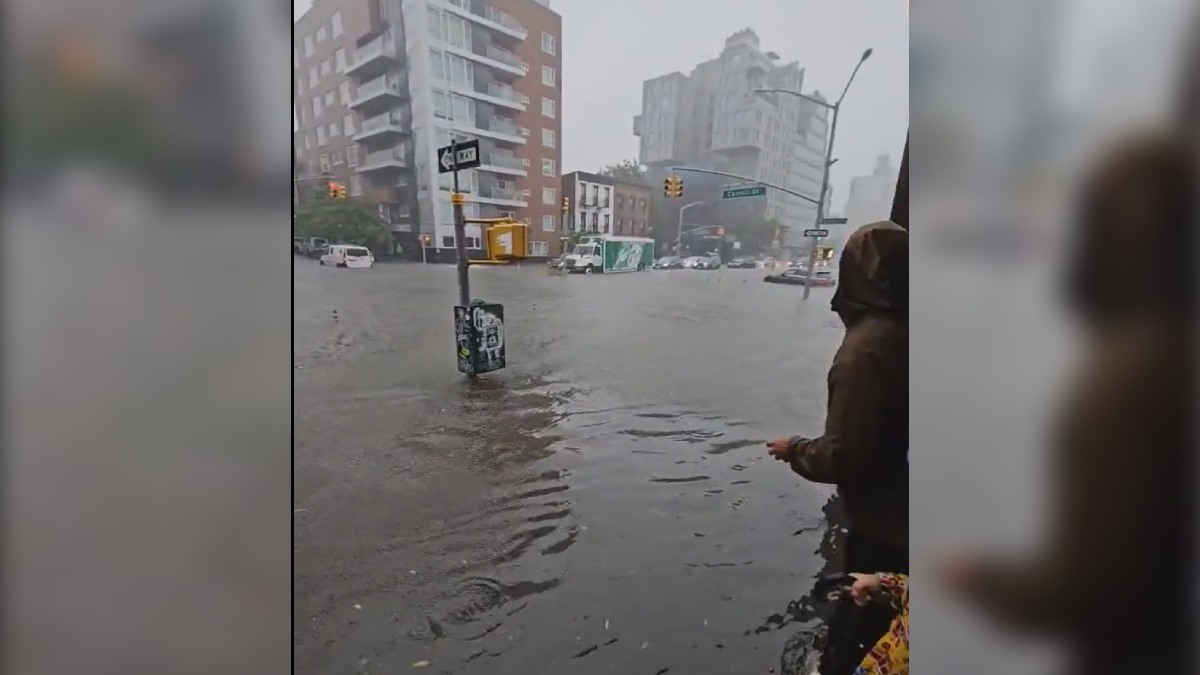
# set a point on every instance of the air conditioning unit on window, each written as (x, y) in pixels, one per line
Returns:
(526, 192)
(524, 162)
(524, 131)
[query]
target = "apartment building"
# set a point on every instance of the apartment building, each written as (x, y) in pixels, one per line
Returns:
(420, 73)
(591, 199)
(631, 210)
(713, 118)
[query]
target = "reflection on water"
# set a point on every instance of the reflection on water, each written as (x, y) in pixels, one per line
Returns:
(603, 505)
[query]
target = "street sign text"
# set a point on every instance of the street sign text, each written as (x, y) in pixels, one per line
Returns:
(457, 158)
(834, 220)
(816, 233)
(736, 193)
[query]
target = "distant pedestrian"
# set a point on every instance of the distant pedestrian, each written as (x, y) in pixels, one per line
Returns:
(864, 449)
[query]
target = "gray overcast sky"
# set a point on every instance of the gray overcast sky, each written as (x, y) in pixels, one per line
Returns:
(610, 46)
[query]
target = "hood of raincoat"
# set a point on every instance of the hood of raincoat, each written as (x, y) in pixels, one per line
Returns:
(1135, 233)
(873, 274)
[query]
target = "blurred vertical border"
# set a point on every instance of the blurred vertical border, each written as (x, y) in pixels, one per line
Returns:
(147, 312)
(1012, 103)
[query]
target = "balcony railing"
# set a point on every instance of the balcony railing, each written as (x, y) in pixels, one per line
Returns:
(503, 56)
(506, 161)
(504, 19)
(389, 156)
(502, 193)
(380, 122)
(379, 85)
(503, 91)
(502, 126)
(380, 46)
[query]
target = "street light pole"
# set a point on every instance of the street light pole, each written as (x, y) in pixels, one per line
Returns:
(836, 108)
(679, 237)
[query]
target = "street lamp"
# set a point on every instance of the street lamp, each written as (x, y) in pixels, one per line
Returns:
(679, 237)
(836, 107)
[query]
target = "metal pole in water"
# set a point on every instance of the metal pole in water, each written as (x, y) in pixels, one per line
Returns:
(460, 235)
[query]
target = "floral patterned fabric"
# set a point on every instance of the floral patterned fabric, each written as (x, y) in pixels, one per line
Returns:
(889, 656)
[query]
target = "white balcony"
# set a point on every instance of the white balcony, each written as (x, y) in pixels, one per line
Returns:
(382, 127)
(376, 54)
(501, 61)
(381, 90)
(495, 128)
(497, 95)
(504, 165)
(499, 197)
(392, 158)
(492, 18)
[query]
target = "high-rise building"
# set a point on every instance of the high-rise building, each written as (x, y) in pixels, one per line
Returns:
(870, 200)
(381, 84)
(713, 119)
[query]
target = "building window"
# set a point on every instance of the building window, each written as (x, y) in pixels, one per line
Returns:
(320, 136)
(329, 98)
(642, 204)
(308, 45)
(356, 188)
(321, 34)
(295, 60)
(313, 79)
(351, 155)
(607, 196)
(549, 76)
(548, 107)
(335, 130)
(303, 110)
(549, 44)
(547, 138)
(339, 59)
(344, 92)
(324, 160)
(607, 222)
(336, 23)
(620, 201)
(549, 168)
(548, 195)
(336, 157)
(549, 224)
(524, 99)
(300, 85)
(539, 249)
(326, 67)
(308, 144)
(524, 131)
(316, 108)
(448, 242)
(473, 242)
(348, 123)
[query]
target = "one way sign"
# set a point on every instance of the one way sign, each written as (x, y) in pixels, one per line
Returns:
(456, 158)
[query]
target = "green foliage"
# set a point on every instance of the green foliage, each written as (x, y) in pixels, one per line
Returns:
(626, 171)
(343, 222)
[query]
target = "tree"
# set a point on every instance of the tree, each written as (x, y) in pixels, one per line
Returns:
(344, 222)
(626, 171)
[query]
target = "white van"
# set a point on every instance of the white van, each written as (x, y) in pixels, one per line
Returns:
(342, 255)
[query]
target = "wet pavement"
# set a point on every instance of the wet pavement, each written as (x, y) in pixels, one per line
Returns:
(603, 505)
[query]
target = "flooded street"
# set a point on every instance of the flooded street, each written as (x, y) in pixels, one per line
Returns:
(603, 505)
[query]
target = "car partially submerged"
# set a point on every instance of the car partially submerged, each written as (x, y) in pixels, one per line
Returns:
(798, 277)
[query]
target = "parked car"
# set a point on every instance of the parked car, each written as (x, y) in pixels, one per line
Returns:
(343, 255)
(555, 263)
(692, 262)
(741, 264)
(668, 262)
(710, 263)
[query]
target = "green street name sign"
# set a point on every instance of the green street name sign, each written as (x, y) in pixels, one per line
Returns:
(736, 193)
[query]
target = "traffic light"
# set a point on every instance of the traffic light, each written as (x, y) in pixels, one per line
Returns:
(566, 204)
(333, 190)
(720, 232)
(673, 187)
(341, 191)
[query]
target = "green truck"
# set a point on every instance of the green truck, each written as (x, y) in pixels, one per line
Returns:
(610, 253)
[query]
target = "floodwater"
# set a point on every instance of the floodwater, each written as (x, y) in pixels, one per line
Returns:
(603, 505)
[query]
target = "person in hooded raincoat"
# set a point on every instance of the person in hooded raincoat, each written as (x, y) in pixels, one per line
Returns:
(864, 447)
(1122, 456)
